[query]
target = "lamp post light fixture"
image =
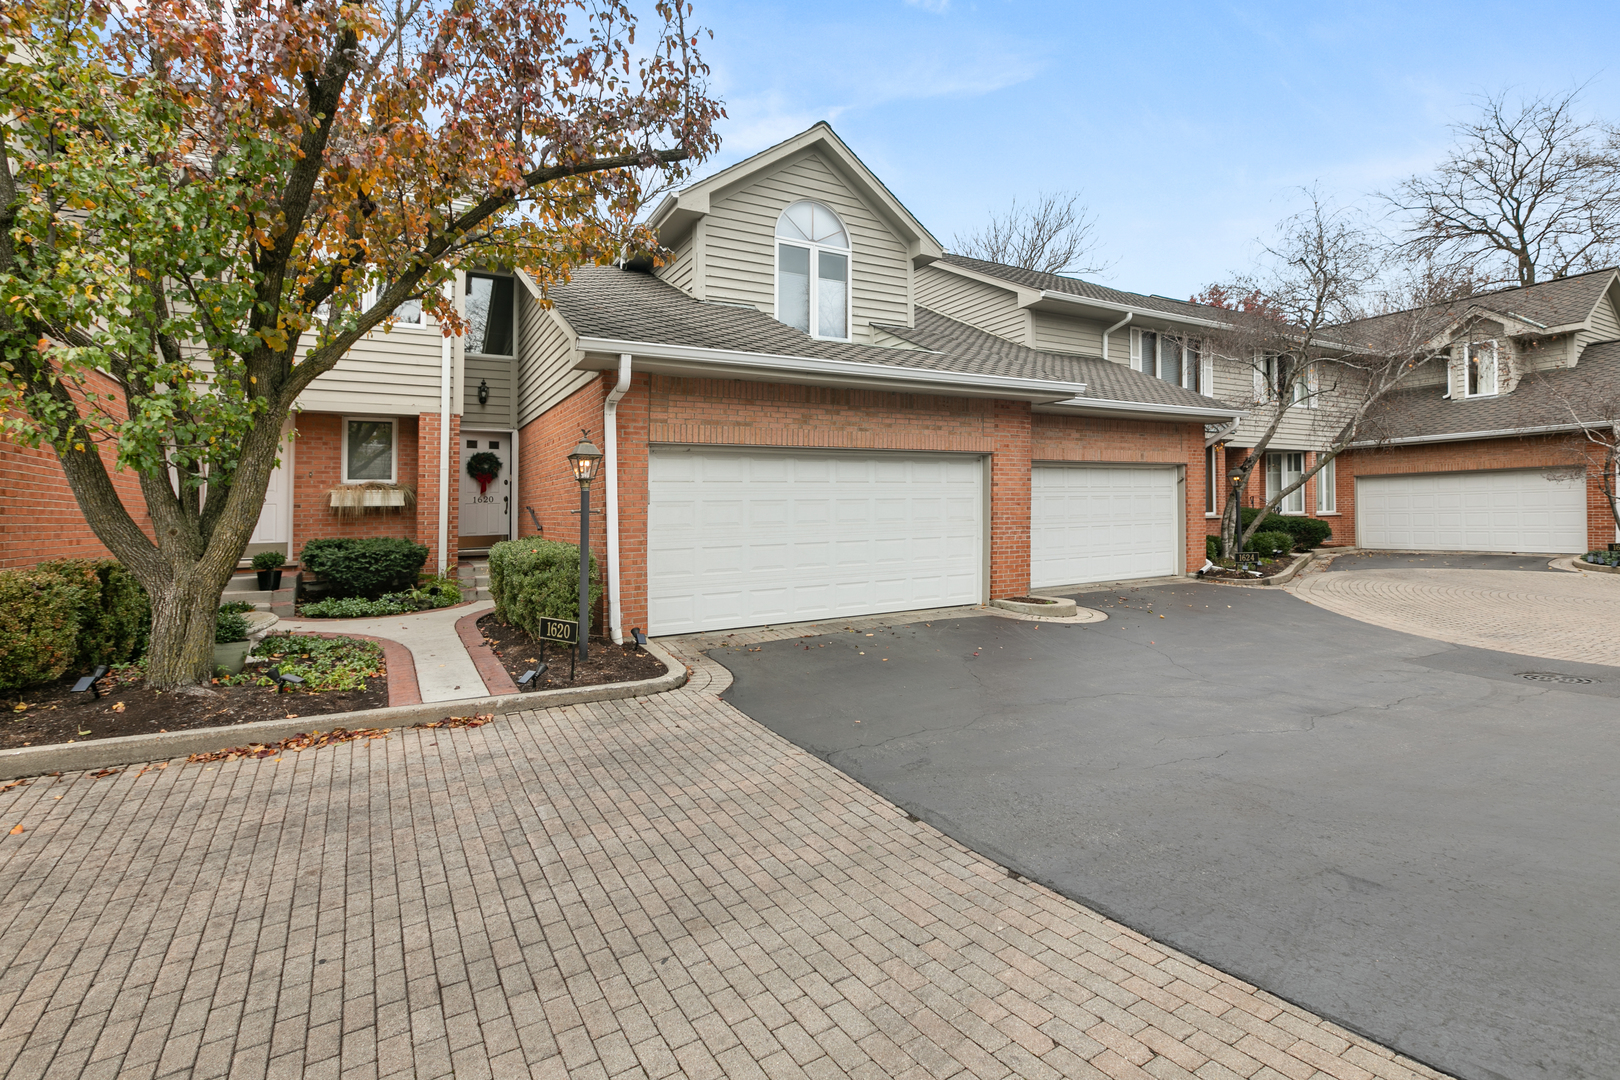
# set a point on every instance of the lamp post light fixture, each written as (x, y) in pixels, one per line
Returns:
(585, 461)
(483, 391)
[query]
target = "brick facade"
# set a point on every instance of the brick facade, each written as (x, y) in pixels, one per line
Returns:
(667, 410)
(39, 517)
(1539, 451)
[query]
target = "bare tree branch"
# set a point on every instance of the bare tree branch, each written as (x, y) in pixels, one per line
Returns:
(1529, 191)
(1055, 235)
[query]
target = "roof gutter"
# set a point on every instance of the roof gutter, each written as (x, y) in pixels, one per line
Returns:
(1146, 313)
(1080, 405)
(1461, 436)
(696, 361)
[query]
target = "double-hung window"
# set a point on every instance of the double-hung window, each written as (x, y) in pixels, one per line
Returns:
(1212, 475)
(1284, 377)
(1327, 494)
(489, 313)
(368, 450)
(812, 271)
(1479, 368)
(1281, 470)
(1167, 357)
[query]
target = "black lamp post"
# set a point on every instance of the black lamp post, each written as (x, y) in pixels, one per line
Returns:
(585, 460)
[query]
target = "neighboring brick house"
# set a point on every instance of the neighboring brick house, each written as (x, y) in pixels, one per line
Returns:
(1482, 450)
(797, 431)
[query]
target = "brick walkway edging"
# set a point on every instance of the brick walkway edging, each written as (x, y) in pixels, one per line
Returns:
(497, 680)
(163, 746)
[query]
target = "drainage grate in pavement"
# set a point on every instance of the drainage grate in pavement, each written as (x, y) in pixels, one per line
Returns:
(1555, 676)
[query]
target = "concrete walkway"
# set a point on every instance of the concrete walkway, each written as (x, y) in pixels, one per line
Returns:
(1556, 616)
(444, 671)
(630, 889)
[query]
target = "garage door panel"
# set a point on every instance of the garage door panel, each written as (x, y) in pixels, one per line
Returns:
(808, 536)
(1505, 510)
(1102, 523)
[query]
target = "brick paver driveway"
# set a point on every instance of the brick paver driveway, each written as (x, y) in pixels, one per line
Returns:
(1557, 616)
(631, 889)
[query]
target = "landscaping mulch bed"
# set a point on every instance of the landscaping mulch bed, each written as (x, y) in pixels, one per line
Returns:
(608, 663)
(1267, 569)
(52, 713)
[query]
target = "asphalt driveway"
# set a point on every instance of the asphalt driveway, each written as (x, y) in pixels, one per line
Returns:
(1404, 836)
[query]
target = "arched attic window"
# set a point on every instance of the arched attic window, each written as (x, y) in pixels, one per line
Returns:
(812, 271)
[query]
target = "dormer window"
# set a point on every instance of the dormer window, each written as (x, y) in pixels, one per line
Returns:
(812, 271)
(1479, 368)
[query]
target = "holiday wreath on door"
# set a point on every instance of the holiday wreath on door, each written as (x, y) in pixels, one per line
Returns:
(483, 467)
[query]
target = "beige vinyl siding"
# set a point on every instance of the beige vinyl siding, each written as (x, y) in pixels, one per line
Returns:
(1605, 326)
(739, 245)
(500, 373)
(1063, 333)
(1302, 429)
(546, 361)
(976, 303)
(678, 272)
(390, 374)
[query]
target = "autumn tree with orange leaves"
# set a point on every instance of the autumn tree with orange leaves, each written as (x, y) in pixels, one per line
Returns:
(211, 201)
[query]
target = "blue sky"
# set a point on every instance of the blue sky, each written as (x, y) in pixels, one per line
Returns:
(1188, 128)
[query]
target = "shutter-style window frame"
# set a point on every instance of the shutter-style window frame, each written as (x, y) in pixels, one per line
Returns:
(1136, 349)
(1313, 386)
(1206, 372)
(1262, 384)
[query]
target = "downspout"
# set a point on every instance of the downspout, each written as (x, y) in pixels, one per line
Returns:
(1111, 329)
(610, 436)
(446, 366)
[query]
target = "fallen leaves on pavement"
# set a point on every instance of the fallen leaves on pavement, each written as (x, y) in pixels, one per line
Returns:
(314, 740)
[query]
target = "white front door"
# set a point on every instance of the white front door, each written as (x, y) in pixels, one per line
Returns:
(1102, 523)
(486, 507)
(1506, 510)
(275, 517)
(749, 538)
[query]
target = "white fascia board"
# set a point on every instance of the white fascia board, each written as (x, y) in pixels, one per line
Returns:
(1463, 436)
(1082, 406)
(1138, 312)
(725, 363)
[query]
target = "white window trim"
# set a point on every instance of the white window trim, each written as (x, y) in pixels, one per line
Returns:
(1327, 479)
(1282, 481)
(515, 301)
(422, 318)
(1205, 363)
(1496, 368)
(393, 458)
(815, 250)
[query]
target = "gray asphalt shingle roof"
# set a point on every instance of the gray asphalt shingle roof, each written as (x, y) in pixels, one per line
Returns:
(606, 302)
(1104, 379)
(1035, 279)
(1551, 303)
(1588, 392)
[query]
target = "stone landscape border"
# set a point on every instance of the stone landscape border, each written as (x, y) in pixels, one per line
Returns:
(164, 746)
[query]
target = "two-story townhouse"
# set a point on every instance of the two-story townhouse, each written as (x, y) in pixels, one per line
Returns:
(1158, 336)
(1482, 449)
(796, 429)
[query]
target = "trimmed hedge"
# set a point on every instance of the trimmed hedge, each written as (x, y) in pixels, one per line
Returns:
(1212, 548)
(72, 614)
(535, 579)
(366, 567)
(1308, 532)
(1271, 543)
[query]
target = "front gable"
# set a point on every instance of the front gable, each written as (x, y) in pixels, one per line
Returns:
(722, 231)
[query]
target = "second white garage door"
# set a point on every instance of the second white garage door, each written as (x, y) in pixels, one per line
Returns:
(1103, 523)
(1507, 510)
(749, 538)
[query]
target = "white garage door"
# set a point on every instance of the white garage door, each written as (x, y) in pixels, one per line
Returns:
(1510, 510)
(1102, 523)
(744, 539)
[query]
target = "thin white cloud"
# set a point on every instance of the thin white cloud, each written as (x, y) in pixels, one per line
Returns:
(938, 7)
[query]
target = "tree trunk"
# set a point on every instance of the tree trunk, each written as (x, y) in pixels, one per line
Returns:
(181, 652)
